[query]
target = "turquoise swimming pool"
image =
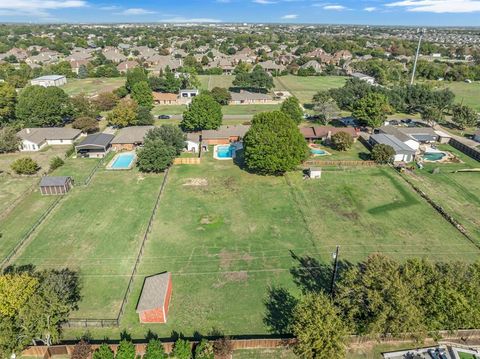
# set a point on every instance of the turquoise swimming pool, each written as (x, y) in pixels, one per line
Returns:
(123, 161)
(434, 156)
(225, 151)
(317, 151)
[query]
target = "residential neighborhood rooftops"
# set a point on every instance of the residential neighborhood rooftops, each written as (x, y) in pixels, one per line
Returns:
(164, 96)
(96, 140)
(49, 78)
(38, 135)
(225, 132)
(134, 134)
(246, 95)
(48, 181)
(154, 292)
(324, 131)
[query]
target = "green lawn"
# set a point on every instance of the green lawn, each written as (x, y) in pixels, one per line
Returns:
(97, 230)
(77, 168)
(305, 87)
(263, 354)
(13, 187)
(466, 355)
(92, 86)
(468, 94)
(248, 109)
(168, 110)
(458, 193)
(42, 157)
(208, 82)
(356, 153)
(227, 235)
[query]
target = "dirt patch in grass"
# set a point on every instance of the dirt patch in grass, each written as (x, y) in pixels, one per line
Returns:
(232, 277)
(196, 182)
(228, 258)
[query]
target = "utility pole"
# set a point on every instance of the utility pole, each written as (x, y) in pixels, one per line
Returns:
(334, 274)
(416, 56)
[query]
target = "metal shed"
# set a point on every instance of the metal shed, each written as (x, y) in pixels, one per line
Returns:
(55, 185)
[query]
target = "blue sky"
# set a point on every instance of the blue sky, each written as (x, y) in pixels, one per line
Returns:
(375, 12)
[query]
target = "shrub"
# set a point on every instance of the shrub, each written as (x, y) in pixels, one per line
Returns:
(223, 347)
(155, 350)
(56, 162)
(103, 352)
(86, 124)
(291, 107)
(81, 350)
(342, 141)
(9, 141)
(204, 350)
(126, 350)
(182, 349)
(25, 166)
(383, 153)
(70, 151)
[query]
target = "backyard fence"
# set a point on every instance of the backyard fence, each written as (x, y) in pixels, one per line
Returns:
(27, 235)
(87, 322)
(469, 151)
(86, 182)
(17, 200)
(266, 343)
(339, 163)
(186, 161)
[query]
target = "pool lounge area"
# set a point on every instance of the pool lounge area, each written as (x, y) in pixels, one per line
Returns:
(122, 161)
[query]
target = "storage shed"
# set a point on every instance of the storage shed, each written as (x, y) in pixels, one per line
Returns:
(55, 185)
(315, 172)
(153, 303)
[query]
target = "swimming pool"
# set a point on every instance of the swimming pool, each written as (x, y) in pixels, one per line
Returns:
(225, 151)
(122, 161)
(434, 156)
(317, 151)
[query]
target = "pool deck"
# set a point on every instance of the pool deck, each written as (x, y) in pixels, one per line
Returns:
(110, 164)
(238, 146)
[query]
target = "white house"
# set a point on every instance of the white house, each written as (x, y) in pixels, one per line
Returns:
(368, 79)
(50, 80)
(403, 153)
(188, 93)
(192, 143)
(34, 139)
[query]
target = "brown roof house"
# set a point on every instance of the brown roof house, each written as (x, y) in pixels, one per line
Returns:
(161, 98)
(248, 98)
(324, 133)
(34, 139)
(224, 135)
(128, 138)
(153, 304)
(124, 66)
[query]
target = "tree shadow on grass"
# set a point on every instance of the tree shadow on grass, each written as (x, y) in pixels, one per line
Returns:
(279, 306)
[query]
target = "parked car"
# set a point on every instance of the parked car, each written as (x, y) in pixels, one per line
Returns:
(163, 117)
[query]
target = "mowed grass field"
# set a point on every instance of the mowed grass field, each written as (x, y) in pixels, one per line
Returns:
(96, 230)
(92, 86)
(467, 94)
(227, 236)
(305, 87)
(13, 187)
(458, 193)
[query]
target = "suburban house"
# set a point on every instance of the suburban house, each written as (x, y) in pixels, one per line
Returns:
(49, 80)
(476, 136)
(192, 143)
(249, 98)
(188, 93)
(271, 67)
(128, 138)
(324, 133)
(411, 136)
(224, 135)
(124, 66)
(368, 79)
(160, 98)
(34, 139)
(312, 64)
(95, 146)
(55, 185)
(153, 304)
(403, 153)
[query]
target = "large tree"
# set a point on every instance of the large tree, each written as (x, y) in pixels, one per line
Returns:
(291, 107)
(86, 124)
(318, 328)
(124, 114)
(134, 76)
(342, 141)
(155, 156)
(325, 107)
(274, 145)
(464, 116)
(221, 95)
(142, 94)
(204, 113)
(83, 106)
(43, 106)
(372, 109)
(257, 80)
(9, 141)
(8, 100)
(171, 135)
(382, 153)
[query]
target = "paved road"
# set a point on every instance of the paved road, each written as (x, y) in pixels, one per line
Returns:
(225, 117)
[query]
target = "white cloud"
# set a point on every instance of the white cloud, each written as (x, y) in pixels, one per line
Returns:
(264, 2)
(190, 20)
(33, 8)
(370, 8)
(334, 7)
(289, 16)
(136, 11)
(438, 6)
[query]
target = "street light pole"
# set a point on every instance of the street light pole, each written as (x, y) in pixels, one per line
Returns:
(416, 56)
(334, 274)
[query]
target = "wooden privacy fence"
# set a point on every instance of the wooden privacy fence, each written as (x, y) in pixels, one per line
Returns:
(469, 151)
(339, 163)
(267, 343)
(186, 161)
(262, 343)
